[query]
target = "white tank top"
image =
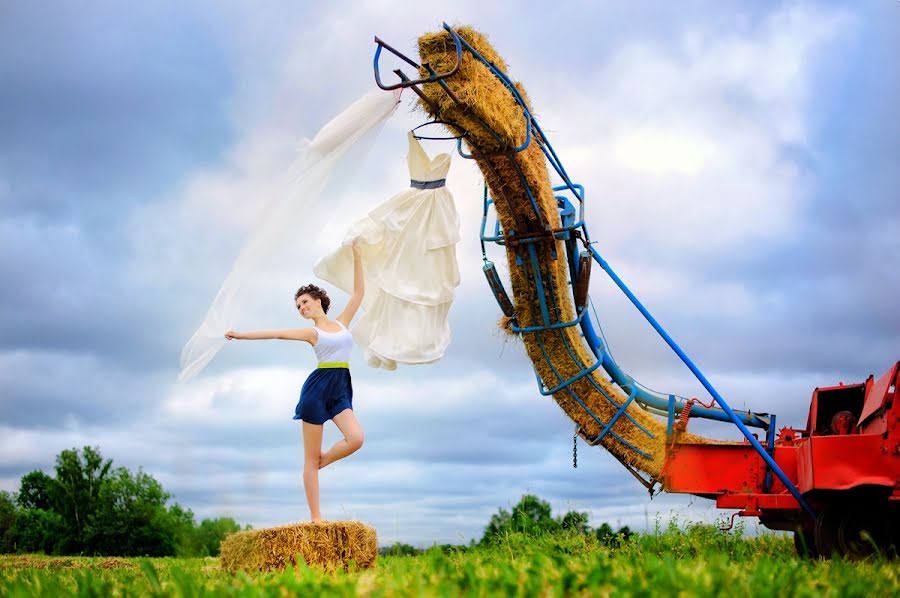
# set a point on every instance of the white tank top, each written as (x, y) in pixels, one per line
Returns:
(333, 346)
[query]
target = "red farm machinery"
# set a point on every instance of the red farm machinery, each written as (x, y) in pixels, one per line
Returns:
(845, 463)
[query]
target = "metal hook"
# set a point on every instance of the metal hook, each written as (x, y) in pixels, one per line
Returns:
(436, 122)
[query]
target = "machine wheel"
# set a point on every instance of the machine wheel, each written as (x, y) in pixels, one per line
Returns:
(828, 524)
(805, 544)
(861, 533)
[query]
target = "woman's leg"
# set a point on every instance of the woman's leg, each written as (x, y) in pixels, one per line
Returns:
(312, 452)
(353, 438)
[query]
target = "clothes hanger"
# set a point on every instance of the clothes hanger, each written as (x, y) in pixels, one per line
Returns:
(434, 122)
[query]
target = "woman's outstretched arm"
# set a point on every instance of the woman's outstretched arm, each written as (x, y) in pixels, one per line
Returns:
(358, 289)
(288, 334)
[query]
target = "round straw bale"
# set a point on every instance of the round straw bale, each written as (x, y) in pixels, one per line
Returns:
(329, 544)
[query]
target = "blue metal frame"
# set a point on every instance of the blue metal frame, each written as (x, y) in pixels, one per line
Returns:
(572, 228)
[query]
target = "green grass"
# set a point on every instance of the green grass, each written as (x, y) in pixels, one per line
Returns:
(696, 560)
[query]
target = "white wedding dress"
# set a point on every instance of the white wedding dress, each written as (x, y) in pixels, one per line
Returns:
(408, 253)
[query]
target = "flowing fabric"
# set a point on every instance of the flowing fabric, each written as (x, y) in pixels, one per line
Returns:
(408, 255)
(276, 229)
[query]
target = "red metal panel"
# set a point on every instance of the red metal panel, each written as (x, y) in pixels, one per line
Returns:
(878, 393)
(757, 501)
(786, 458)
(713, 469)
(843, 462)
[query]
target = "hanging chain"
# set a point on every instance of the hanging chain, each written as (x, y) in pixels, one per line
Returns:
(575, 449)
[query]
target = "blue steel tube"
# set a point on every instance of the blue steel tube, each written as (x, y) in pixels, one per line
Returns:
(645, 398)
(706, 384)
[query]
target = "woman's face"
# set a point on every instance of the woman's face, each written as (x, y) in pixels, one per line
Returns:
(308, 307)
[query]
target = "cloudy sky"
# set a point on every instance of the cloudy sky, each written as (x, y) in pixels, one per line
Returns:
(741, 169)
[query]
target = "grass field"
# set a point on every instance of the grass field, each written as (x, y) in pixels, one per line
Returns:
(694, 560)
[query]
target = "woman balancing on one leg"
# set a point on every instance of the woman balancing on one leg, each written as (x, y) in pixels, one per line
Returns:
(327, 393)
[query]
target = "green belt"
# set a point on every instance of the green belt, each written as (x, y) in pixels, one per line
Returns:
(334, 364)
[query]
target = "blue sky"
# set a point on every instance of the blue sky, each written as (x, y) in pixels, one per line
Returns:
(741, 168)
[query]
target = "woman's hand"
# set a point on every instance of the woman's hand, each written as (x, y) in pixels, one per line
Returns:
(355, 247)
(231, 334)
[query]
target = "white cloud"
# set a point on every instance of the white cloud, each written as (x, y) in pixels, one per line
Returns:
(660, 152)
(681, 146)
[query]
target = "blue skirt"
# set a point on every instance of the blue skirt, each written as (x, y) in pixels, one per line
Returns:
(326, 392)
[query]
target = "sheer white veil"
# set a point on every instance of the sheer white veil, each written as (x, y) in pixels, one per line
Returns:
(276, 229)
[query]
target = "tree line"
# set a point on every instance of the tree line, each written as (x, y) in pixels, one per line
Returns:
(531, 516)
(90, 508)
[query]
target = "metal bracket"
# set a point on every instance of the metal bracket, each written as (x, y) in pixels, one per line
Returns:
(404, 81)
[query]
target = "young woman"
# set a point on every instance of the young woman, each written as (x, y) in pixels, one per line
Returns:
(327, 392)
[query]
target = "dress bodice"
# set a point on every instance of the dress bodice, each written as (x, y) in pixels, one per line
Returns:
(423, 168)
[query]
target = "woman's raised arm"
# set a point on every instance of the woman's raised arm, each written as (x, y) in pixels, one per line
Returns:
(358, 289)
(288, 334)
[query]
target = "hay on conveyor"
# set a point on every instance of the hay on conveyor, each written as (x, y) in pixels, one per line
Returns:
(329, 544)
(487, 100)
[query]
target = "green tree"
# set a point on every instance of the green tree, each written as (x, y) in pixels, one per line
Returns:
(7, 522)
(530, 515)
(608, 537)
(533, 516)
(79, 478)
(211, 532)
(401, 549)
(91, 508)
(605, 533)
(36, 491)
(38, 530)
(575, 521)
(186, 532)
(131, 519)
(497, 526)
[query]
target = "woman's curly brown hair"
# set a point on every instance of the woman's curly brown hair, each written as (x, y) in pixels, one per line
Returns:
(316, 293)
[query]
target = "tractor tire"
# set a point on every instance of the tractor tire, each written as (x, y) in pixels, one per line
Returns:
(862, 533)
(828, 524)
(805, 544)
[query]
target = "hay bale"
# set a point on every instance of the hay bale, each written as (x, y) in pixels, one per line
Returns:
(329, 544)
(486, 99)
(470, 83)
